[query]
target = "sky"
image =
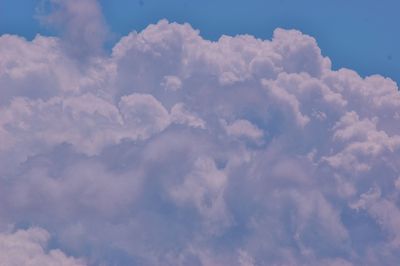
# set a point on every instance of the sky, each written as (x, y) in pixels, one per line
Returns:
(199, 133)
(357, 34)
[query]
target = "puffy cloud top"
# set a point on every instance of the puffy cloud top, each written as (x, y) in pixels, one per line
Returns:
(27, 247)
(175, 150)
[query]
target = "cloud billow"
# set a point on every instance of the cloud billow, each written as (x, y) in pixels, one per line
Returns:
(176, 150)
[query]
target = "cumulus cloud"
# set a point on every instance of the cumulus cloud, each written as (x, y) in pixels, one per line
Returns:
(28, 247)
(243, 128)
(176, 150)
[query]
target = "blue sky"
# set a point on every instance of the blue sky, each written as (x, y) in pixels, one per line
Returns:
(359, 34)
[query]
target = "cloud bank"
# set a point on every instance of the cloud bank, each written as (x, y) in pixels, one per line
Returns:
(175, 150)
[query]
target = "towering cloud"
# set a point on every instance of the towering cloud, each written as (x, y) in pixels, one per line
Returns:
(176, 150)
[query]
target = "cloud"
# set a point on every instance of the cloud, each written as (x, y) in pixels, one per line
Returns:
(176, 150)
(181, 115)
(80, 22)
(243, 128)
(28, 247)
(171, 83)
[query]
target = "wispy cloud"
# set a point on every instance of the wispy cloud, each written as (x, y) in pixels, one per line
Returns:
(80, 23)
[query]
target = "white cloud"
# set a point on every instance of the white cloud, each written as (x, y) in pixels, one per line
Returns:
(204, 188)
(36, 69)
(171, 83)
(144, 114)
(28, 247)
(81, 24)
(180, 115)
(181, 151)
(243, 128)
